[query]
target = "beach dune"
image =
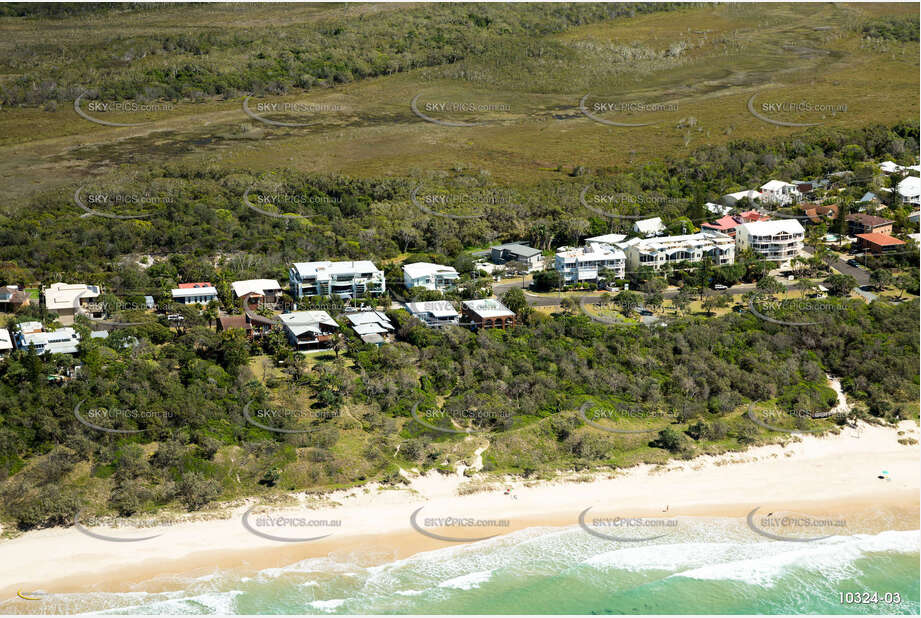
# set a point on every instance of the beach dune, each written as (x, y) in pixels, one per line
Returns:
(834, 477)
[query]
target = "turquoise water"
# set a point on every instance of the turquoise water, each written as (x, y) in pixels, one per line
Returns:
(704, 567)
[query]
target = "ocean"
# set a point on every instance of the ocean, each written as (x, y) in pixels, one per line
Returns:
(703, 567)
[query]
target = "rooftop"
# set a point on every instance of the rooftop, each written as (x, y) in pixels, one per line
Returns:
(883, 240)
(488, 308)
(426, 269)
(438, 308)
(67, 295)
(324, 270)
(762, 228)
(200, 284)
(866, 219)
(255, 286)
(518, 249)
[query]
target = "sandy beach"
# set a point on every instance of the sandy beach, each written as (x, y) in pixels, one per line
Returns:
(835, 477)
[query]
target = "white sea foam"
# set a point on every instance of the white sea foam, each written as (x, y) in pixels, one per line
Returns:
(468, 581)
(327, 605)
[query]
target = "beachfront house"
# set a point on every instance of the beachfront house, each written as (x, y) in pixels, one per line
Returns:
(429, 276)
(371, 327)
(342, 279)
(201, 293)
(487, 313)
(60, 341)
(435, 314)
(309, 330)
(265, 292)
(777, 241)
(69, 299)
(779, 193)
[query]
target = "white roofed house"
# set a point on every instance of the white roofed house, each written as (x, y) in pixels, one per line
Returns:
(517, 252)
(429, 276)
(649, 227)
(587, 263)
(342, 279)
(69, 299)
(777, 241)
(262, 291)
(60, 341)
(487, 313)
(658, 252)
(910, 190)
(779, 193)
(200, 293)
(6, 343)
(436, 313)
(371, 326)
(309, 330)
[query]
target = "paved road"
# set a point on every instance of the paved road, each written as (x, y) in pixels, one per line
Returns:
(859, 274)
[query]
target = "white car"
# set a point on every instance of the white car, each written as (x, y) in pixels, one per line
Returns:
(720, 286)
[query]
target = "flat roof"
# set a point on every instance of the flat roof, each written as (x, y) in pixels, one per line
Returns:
(326, 268)
(438, 308)
(488, 308)
(424, 269)
(185, 292)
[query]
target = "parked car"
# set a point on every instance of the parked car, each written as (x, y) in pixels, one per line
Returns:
(720, 286)
(853, 262)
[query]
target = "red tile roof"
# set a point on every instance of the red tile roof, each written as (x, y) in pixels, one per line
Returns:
(187, 286)
(883, 240)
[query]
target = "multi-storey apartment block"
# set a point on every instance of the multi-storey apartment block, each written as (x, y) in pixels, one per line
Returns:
(343, 279)
(657, 252)
(586, 263)
(777, 241)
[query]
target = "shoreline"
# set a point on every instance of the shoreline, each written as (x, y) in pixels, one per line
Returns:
(826, 477)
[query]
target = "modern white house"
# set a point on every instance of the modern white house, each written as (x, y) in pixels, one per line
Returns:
(265, 291)
(60, 341)
(343, 279)
(371, 326)
(910, 190)
(657, 252)
(6, 342)
(68, 299)
(649, 227)
(779, 193)
(309, 330)
(777, 241)
(201, 293)
(434, 313)
(429, 276)
(586, 263)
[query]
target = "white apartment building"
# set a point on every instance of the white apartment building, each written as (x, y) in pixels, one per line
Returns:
(343, 279)
(657, 252)
(779, 193)
(429, 276)
(778, 241)
(586, 263)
